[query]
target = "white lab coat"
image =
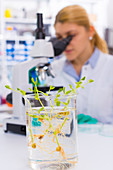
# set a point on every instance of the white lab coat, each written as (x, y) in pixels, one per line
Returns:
(96, 99)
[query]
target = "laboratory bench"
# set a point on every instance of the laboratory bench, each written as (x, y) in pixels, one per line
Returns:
(95, 151)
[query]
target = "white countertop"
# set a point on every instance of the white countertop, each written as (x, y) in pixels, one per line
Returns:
(95, 152)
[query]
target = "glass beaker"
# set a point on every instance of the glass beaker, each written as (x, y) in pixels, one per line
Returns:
(51, 132)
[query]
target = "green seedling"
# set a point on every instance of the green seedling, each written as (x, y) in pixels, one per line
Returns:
(48, 116)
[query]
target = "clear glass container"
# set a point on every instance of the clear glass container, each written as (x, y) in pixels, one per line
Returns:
(51, 132)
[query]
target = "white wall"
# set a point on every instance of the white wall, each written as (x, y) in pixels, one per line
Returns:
(110, 14)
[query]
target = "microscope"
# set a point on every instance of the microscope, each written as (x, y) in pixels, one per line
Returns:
(38, 67)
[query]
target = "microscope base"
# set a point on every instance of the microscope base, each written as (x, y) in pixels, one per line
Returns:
(14, 125)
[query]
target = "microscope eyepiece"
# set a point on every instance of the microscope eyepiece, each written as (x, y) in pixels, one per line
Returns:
(39, 20)
(39, 32)
(60, 45)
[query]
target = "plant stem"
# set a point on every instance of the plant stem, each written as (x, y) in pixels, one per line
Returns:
(30, 129)
(63, 122)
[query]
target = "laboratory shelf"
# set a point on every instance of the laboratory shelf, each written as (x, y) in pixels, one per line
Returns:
(28, 21)
(19, 38)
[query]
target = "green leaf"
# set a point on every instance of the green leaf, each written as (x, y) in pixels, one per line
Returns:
(32, 79)
(90, 80)
(45, 94)
(35, 116)
(58, 95)
(58, 103)
(79, 82)
(42, 116)
(60, 90)
(55, 99)
(8, 87)
(23, 92)
(83, 78)
(51, 87)
(46, 118)
(71, 86)
(69, 91)
(64, 103)
(42, 108)
(30, 89)
(82, 87)
(64, 90)
(77, 86)
(68, 101)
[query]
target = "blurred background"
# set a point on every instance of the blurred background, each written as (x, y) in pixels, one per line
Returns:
(18, 22)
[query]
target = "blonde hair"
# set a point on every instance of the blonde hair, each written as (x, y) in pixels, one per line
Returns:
(78, 15)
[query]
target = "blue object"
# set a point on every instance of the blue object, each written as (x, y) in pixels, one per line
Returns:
(33, 74)
(82, 118)
(35, 122)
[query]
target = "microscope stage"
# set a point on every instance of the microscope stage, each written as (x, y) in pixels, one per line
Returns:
(14, 125)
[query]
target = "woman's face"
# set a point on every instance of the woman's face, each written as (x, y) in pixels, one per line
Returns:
(80, 43)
